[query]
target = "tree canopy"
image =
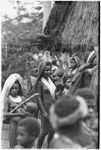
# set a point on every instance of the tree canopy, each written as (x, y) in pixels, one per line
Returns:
(18, 35)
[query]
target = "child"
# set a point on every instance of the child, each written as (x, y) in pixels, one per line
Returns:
(28, 131)
(66, 117)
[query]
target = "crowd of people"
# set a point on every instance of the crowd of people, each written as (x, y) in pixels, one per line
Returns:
(59, 100)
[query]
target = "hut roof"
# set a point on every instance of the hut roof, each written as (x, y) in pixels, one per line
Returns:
(74, 23)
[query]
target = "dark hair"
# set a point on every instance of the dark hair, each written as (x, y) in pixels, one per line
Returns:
(54, 62)
(91, 48)
(32, 126)
(48, 63)
(87, 94)
(65, 106)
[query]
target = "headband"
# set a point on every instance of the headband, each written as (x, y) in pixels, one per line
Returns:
(81, 112)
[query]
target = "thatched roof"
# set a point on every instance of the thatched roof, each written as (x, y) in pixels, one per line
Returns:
(74, 23)
(58, 16)
(54, 25)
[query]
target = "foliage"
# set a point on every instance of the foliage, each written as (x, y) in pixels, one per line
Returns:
(19, 34)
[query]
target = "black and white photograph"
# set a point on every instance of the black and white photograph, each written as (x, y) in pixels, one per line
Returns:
(50, 74)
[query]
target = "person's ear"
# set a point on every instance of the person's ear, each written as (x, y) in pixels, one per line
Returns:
(33, 137)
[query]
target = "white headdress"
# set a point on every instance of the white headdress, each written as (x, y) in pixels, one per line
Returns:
(7, 86)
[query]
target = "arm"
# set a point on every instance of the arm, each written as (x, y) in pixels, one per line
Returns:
(92, 70)
(6, 110)
(40, 99)
(13, 114)
(85, 66)
(6, 106)
(29, 83)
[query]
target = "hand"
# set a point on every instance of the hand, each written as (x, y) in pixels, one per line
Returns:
(88, 72)
(45, 114)
(26, 113)
(68, 85)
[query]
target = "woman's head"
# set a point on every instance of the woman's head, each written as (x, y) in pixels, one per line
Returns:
(45, 69)
(48, 67)
(16, 89)
(75, 62)
(9, 84)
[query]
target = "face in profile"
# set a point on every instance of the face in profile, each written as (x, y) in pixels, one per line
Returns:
(23, 138)
(90, 111)
(15, 90)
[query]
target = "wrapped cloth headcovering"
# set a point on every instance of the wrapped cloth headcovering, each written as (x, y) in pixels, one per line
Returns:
(46, 56)
(7, 86)
(80, 113)
(77, 60)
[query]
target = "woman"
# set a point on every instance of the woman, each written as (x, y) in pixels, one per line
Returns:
(46, 89)
(69, 77)
(75, 64)
(12, 95)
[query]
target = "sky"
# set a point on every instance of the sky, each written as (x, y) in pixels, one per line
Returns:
(6, 7)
